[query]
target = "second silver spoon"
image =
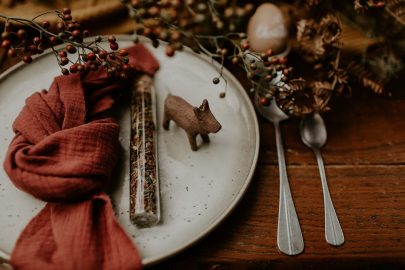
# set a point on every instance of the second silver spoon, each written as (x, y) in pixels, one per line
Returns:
(313, 135)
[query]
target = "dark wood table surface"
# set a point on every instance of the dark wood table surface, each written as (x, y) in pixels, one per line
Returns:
(365, 166)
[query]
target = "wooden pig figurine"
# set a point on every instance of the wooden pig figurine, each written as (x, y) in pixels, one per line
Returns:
(192, 119)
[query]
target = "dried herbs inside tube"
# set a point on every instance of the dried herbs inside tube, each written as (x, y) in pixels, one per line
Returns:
(144, 178)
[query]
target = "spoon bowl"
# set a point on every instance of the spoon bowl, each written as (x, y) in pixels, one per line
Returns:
(313, 131)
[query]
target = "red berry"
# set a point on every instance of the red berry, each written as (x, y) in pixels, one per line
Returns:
(65, 71)
(264, 101)
(269, 52)
(70, 49)
(73, 68)
(5, 35)
(91, 56)
(60, 26)
(22, 34)
(123, 52)
(282, 60)
(126, 67)
(45, 24)
(76, 33)
(380, 4)
(53, 40)
(245, 46)
(32, 49)
(86, 33)
(112, 39)
(27, 59)
(62, 54)
(169, 50)
(67, 17)
(37, 40)
(80, 68)
(12, 52)
(64, 61)
(6, 43)
(102, 54)
(175, 36)
(114, 46)
(66, 11)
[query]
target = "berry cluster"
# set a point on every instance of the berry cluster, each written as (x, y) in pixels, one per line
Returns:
(264, 67)
(23, 38)
(186, 22)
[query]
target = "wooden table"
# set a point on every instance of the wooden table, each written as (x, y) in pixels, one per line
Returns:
(365, 165)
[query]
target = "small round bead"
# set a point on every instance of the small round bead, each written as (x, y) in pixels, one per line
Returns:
(216, 80)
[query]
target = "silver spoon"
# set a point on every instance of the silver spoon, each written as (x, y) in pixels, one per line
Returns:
(313, 135)
(289, 235)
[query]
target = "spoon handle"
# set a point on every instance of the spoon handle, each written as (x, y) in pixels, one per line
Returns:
(289, 235)
(333, 230)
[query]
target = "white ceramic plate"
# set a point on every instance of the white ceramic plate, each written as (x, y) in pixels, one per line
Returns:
(198, 189)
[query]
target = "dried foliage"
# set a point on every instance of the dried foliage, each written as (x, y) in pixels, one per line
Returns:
(364, 5)
(396, 8)
(365, 77)
(319, 45)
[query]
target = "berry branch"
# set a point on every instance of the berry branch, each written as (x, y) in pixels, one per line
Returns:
(199, 25)
(77, 54)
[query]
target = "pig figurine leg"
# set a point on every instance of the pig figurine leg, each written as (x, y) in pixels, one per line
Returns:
(166, 120)
(192, 140)
(205, 138)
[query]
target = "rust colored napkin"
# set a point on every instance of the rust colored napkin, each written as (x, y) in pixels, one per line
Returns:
(64, 155)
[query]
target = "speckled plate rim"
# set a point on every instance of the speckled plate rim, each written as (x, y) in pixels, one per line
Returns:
(229, 76)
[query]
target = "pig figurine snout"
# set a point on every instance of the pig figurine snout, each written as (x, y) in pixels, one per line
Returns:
(194, 120)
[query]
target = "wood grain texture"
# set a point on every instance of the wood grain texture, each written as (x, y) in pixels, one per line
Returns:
(365, 166)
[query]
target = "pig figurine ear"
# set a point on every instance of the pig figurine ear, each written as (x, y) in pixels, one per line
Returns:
(197, 112)
(204, 106)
